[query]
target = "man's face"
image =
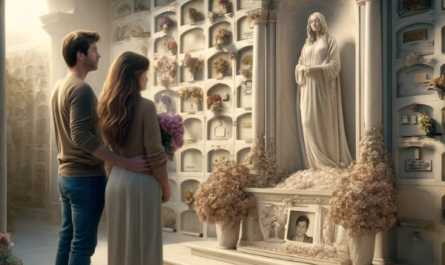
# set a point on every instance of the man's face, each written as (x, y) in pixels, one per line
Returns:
(301, 228)
(92, 60)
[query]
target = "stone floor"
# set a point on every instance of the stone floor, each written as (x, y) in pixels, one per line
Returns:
(36, 241)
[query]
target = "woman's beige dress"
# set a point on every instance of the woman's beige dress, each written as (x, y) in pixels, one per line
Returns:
(133, 200)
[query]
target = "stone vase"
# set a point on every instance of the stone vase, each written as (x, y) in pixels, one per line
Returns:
(227, 238)
(165, 28)
(361, 248)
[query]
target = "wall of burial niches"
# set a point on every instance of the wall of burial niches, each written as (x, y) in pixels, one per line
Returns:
(136, 28)
(419, 163)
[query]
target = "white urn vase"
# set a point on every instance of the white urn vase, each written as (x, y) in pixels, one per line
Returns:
(361, 248)
(165, 28)
(227, 238)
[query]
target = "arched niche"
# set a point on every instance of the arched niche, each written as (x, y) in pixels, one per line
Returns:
(41, 81)
(40, 171)
(42, 125)
(18, 112)
(189, 105)
(219, 128)
(27, 170)
(168, 217)
(160, 106)
(161, 45)
(172, 16)
(171, 165)
(241, 155)
(248, 50)
(193, 129)
(18, 71)
(29, 139)
(122, 32)
(42, 111)
(29, 126)
(245, 29)
(421, 46)
(411, 127)
(225, 92)
(190, 184)
(121, 10)
(212, 72)
(190, 222)
(416, 205)
(211, 230)
(42, 139)
(215, 7)
(41, 96)
(41, 156)
(409, 154)
(141, 5)
(191, 160)
(213, 31)
(40, 67)
(29, 84)
(198, 5)
(174, 188)
(411, 81)
(214, 155)
(244, 94)
(244, 127)
(416, 248)
(28, 154)
(192, 40)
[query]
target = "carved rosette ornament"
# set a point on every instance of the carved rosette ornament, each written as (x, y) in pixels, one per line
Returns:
(258, 15)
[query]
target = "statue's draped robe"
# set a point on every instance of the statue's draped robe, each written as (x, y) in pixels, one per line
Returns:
(320, 106)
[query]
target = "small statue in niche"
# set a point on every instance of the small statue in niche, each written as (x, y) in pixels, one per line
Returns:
(327, 233)
(266, 220)
(317, 76)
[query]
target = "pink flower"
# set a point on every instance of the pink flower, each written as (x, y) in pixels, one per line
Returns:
(411, 59)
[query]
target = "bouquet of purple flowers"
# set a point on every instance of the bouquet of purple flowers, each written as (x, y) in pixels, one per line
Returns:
(172, 132)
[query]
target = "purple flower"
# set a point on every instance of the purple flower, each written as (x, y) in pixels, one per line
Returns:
(172, 125)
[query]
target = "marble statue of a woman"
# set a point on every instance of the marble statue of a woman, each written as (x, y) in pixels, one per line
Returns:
(317, 75)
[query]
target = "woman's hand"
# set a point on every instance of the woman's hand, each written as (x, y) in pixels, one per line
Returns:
(166, 193)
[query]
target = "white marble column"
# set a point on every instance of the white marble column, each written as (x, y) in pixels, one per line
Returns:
(360, 72)
(373, 98)
(373, 64)
(259, 16)
(270, 77)
(3, 158)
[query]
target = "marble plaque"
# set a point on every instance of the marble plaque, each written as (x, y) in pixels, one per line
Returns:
(418, 165)
(415, 35)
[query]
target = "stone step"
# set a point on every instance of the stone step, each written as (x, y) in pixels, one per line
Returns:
(207, 253)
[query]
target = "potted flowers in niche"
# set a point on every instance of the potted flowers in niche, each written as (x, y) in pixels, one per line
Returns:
(220, 200)
(165, 70)
(222, 38)
(165, 23)
(426, 124)
(193, 64)
(247, 61)
(220, 65)
(195, 94)
(170, 45)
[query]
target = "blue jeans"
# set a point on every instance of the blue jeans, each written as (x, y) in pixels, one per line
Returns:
(83, 200)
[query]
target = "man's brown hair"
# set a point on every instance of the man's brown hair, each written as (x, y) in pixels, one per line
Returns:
(75, 41)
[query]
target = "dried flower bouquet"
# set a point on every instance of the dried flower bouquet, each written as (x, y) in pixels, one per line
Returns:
(365, 201)
(165, 70)
(215, 103)
(220, 199)
(222, 38)
(220, 65)
(165, 22)
(172, 132)
(193, 64)
(195, 93)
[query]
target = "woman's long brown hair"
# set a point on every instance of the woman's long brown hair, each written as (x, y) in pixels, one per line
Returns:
(120, 97)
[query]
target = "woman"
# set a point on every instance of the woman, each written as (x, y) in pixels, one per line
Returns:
(317, 75)
(130, 126)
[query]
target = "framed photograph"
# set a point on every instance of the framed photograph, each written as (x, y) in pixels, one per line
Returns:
(405, 119)
(302, 225)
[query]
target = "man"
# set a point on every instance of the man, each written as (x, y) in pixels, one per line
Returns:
(82, 179)
(301, 227)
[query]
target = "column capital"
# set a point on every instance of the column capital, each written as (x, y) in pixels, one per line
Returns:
(258, 15)
(272, 15)
(361, 2)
